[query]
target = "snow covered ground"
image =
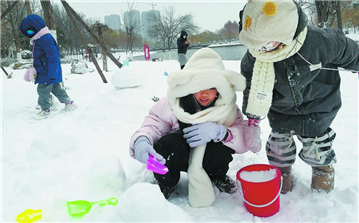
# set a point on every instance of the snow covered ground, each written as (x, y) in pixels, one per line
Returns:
(83, 155)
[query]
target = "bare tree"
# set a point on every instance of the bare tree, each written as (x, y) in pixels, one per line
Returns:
(132, 23)
(322, 11)
(325, 13)
(66, 32)
(166, 28)
(230, 30)
(8, 8)
(12, 20)
(94, 36)
(308, 6)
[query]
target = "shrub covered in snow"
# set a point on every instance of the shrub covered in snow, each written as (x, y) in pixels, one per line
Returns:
(80, 68)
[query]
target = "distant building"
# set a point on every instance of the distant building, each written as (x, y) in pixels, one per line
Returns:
(113, 21)
(146, 23)
(132, 19)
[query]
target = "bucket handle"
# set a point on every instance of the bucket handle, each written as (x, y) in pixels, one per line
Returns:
(263, 205)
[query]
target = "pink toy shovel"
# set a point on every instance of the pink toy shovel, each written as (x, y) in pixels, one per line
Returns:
(154, 166)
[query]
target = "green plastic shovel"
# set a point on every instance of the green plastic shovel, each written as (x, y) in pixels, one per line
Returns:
(81, 207)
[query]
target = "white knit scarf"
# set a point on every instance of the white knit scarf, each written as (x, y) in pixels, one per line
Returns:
(262, 84)
(200, 188)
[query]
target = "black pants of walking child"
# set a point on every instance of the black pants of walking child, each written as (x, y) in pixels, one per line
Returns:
(175, 150)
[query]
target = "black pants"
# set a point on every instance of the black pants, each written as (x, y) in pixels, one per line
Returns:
(175, 150)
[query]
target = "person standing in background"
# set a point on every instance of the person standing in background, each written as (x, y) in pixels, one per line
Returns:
(182, 45)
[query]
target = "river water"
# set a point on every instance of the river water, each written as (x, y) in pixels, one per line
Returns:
(225, 52)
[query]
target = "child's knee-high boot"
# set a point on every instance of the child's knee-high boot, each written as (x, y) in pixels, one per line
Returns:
(322, 178)
(287, 179)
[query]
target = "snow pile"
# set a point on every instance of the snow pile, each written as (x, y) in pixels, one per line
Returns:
(80, 68)
(126, 78)
(149, 199)
(258, 176)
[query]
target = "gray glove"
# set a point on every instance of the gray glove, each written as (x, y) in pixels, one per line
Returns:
(143, 149)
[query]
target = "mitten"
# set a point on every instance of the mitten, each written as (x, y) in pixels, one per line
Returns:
(252, 138)
(253, 120)
(143, 149)
(203, 133)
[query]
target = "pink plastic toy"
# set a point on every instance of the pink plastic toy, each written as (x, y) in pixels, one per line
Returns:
(154, 166)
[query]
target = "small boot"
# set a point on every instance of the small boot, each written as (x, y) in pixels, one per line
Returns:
(70, 106)
(322, 178)
(225, 184)
(287, 179)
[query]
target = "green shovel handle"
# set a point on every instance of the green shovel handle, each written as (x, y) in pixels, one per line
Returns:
(111, 201)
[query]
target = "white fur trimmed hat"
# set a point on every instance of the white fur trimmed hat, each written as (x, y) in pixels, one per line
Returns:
(205, 70)
(264, 21)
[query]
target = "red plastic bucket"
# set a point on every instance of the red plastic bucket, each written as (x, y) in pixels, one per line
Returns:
(261, 198)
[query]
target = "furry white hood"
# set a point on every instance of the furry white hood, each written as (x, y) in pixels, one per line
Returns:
(205, 70)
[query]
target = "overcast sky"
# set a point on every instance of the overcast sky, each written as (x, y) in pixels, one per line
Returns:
(209, 15)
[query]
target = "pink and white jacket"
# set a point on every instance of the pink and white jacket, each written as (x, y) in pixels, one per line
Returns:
(162, 121)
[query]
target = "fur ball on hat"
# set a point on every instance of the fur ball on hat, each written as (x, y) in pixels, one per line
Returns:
(265, 21)
(205, 70)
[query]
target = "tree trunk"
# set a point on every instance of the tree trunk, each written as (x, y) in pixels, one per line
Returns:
(49, 17)
(17, 40)
(104, 60)
(28, 7)
(169, 50)
(322, 11)
(339, 15)
(48, 13)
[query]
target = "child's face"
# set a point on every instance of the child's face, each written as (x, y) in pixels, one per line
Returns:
(205, 97)
(270, 46)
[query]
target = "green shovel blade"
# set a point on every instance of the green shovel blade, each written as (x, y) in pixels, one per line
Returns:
(82, 207)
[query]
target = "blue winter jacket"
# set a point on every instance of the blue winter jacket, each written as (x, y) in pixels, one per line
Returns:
(46, 52)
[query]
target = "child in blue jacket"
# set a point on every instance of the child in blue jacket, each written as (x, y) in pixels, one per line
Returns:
(46, 60)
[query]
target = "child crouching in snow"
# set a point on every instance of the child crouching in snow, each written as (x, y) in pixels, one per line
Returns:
(197, 128)
(47, 63)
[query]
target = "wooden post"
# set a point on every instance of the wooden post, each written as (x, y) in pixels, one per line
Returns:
(78, 18)
(7, 75)
(88, 49)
